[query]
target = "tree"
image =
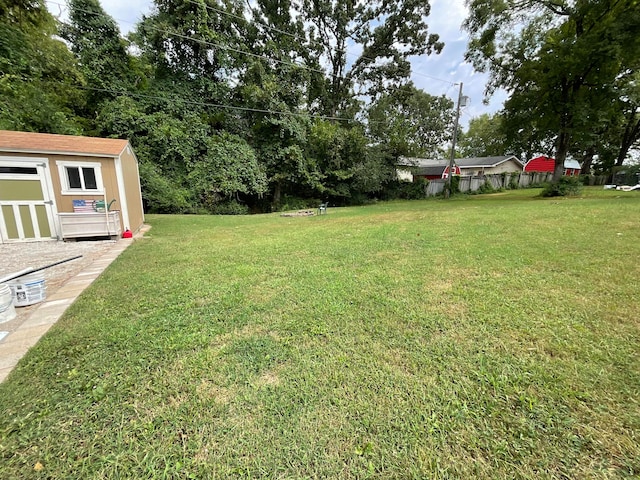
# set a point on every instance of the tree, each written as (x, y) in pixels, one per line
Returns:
(484, 138)
(102, 55)
(557, 59)
(388, 32)
(38, 76)
(193, 40)
(229, 168)
(410, 122)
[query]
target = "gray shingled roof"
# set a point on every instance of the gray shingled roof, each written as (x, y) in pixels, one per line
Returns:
(429, 171)
(421, 162)
(474, 162)
(484, 161)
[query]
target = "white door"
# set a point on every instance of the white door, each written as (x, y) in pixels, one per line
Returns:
(26, 205)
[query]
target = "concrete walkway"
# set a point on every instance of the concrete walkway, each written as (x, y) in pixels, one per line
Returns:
(19, 341)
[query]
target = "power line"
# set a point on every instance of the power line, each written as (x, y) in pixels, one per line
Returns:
(301, 39)
(273, 112)
(243, 52)
(203, 42)
(205, 104)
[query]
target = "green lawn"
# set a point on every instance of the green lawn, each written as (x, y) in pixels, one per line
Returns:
(487, 337)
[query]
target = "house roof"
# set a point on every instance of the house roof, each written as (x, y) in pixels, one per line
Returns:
(421, 162)
(485, 161)
(30, 142)
(436, 170)
(572, 164)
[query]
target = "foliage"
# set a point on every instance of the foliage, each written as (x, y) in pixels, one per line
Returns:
(338, 152)
(296, 203)
(406, 190)
(38, 76)
(228, 169)
(559, 62)
(229, 207)
(229, 99)
(485, 137)
(388, 32)
(455, 185)
(566, 186)
(409, 122)
(159, 193)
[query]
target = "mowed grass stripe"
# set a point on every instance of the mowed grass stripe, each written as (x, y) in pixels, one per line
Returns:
(483, 337)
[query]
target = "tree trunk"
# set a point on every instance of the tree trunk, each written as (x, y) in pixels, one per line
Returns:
(587, 160)
(630, 136)
(277, 193)
(562, 147)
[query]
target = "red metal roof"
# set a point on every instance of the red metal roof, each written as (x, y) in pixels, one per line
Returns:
(548, 164)
(50, 143)
(540, 164)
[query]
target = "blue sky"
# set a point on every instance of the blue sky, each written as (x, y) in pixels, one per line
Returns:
(435, 74)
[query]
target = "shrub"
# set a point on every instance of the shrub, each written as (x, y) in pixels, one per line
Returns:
(289, 202)
(406, 190)
(231, 207)
(486, 187)
(563, 187)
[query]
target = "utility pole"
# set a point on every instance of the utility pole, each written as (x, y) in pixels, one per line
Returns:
(453, 143)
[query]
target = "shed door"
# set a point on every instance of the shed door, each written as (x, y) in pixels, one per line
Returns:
(26, 209)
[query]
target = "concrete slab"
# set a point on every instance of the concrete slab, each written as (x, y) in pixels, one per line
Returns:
(20, 339)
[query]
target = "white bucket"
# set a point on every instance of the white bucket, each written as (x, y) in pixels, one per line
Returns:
(28, 289)
(7, 312)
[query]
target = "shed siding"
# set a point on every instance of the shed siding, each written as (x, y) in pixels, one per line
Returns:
(107, 166)
(132, 189)
(127, 190)
(506, 167)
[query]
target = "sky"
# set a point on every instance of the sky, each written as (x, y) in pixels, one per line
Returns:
(435, 74)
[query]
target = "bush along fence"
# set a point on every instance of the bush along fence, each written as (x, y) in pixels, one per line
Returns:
(489, 183)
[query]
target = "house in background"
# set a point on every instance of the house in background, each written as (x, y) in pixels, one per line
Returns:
(64, 186)
(479, 166)
(547, 164)
(412, 168)
(435, 172)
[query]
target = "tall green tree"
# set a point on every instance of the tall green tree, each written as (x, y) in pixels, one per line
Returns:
(38, 75)
(410, 122)
(484, 138)
(388, 32)
(95, 40)
(228, 169)
(277, 92)
(557, 59)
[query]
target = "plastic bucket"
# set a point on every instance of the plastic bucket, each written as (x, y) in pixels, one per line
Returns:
(28, 289)
(7, 312)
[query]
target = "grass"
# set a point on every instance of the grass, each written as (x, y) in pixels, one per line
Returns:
(492, 336)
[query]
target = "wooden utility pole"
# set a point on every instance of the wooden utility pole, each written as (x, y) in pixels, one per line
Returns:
(453, 142)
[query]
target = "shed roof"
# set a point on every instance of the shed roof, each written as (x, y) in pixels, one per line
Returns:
(572, 164)
(49, 143)
(485, 161)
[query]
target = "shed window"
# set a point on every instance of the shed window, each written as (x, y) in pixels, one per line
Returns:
(83, 178)
(19, 170)
(80, 177)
